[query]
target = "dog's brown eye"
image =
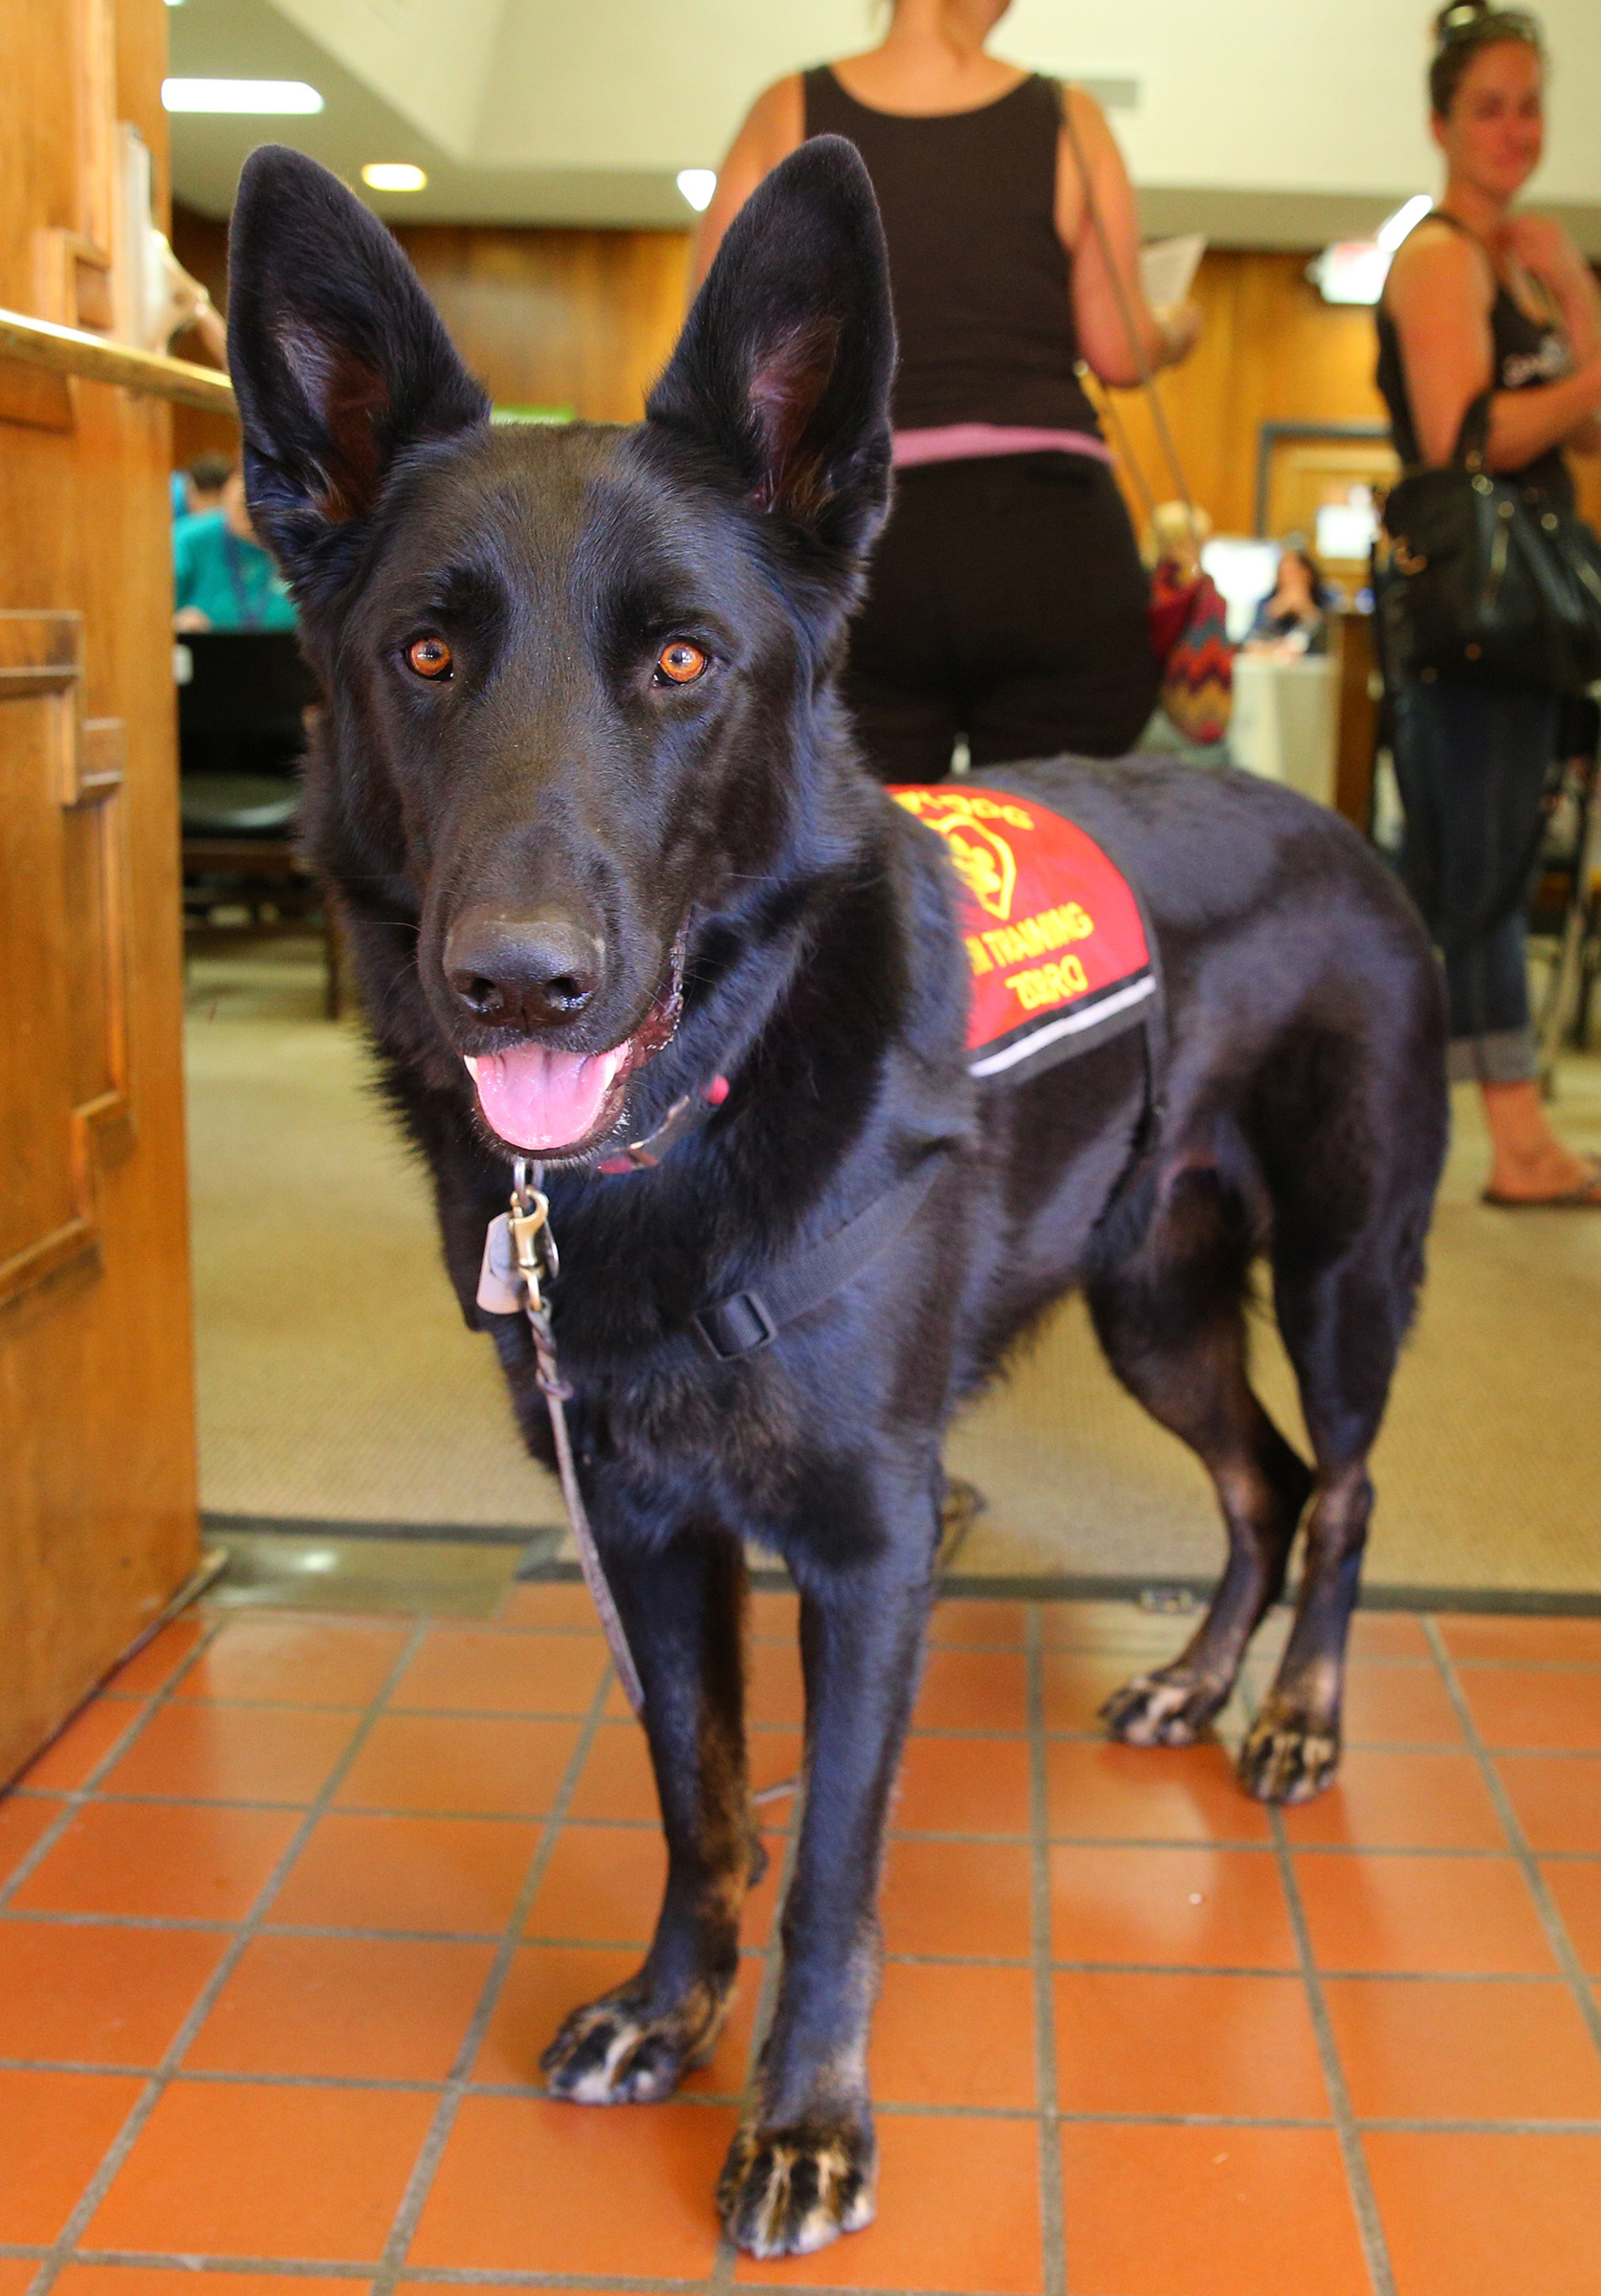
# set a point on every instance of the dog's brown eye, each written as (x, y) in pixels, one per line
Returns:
(430, 657)
(681, 663)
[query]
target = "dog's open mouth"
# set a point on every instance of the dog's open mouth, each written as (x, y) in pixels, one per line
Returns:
(551, 1102)
(565, 1104)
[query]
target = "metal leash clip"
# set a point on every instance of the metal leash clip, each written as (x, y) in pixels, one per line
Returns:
(538, 1263)
(533, 1244)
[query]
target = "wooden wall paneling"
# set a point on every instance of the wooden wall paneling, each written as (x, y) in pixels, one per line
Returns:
(1272, 351)
(577, 318)
(583, 320)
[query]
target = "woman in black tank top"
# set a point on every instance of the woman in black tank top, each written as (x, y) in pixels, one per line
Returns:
(1484, 307)
(1007, 602)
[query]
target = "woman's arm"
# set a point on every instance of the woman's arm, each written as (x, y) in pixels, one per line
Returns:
(1439, 294)
(774, 126)
(1104, 301)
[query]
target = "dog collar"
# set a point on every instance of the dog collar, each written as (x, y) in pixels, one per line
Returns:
(683, 1117)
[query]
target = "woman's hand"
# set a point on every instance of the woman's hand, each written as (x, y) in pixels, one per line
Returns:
(1550, 257)
(1547, 252)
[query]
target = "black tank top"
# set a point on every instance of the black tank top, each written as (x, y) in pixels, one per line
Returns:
(1526, 353)
(980, 280)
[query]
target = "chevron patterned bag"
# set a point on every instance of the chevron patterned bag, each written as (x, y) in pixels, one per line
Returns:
(1189, 636)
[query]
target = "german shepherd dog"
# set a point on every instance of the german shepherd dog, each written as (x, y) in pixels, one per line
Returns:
(592, 812)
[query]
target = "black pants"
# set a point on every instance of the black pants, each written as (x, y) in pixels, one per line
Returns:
(1006, 602)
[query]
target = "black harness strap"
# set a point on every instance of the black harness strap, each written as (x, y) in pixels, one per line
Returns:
(745, 1323)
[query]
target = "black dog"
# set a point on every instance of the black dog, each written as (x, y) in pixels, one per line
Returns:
(595, 819)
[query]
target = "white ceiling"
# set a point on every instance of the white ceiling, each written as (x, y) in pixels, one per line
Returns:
(1267, 121)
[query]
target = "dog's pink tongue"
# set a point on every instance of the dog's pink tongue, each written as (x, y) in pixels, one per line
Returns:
(538, 1099)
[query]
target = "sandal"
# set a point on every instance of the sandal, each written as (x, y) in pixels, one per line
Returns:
(1585, 1198)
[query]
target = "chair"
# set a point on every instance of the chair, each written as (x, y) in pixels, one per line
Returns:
(242, 702)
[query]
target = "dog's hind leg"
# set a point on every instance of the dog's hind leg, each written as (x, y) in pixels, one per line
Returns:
(1342, 1329)
(683, 1608)
(802, 2169)
(1351, 1142)
(1170, 1319)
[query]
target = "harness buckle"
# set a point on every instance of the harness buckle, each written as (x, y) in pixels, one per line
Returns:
(741, 1325)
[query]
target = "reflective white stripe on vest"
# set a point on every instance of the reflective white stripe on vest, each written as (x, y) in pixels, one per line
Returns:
(1069, 1024)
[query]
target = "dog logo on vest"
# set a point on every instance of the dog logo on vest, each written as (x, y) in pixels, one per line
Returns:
(984, 862)
(1052, 929)
(981, 856)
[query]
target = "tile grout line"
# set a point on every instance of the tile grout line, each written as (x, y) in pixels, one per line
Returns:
(408, 2214)
(1551, 1921)
(73, 1805)
(433, 1813)
(1053, 2233)
(139, 2116)
(1365, 2204)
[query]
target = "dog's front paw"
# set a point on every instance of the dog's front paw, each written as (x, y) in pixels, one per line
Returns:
(1172, 1707)
(784, 2192)
(1291, 1753)
(615, 2052)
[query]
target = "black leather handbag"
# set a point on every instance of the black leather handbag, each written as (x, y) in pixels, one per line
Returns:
(1477, 578)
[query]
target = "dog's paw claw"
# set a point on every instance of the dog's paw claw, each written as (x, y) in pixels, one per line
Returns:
(1290, 1755)
(612, 2053)
(787, 2192)
(1170, 1707)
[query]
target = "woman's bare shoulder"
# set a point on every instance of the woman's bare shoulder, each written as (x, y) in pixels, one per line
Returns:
(1435, 259)
(1085, 111)
(776, 122)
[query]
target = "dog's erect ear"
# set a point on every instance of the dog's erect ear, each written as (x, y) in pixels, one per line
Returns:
(338, 357)
(784, 366)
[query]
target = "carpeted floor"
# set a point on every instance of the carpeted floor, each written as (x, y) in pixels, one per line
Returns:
(336, 1382)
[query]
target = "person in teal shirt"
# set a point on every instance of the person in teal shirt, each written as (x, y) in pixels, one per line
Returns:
(225, 580)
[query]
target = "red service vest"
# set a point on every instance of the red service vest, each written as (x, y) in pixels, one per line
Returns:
(1053, 932)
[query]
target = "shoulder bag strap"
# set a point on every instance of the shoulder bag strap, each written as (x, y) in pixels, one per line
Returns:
(1158, 412)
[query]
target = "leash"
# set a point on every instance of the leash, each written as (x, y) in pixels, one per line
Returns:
(536, 1263)
(520, 1259)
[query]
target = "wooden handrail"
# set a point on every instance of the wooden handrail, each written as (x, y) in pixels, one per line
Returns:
(71, 351)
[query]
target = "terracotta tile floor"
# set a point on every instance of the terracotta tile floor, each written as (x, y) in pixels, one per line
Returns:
(287, 1914)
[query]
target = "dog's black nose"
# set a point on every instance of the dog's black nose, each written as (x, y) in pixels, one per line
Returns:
(534, 970)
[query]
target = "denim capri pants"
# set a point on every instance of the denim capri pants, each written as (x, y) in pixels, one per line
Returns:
(1472, 763)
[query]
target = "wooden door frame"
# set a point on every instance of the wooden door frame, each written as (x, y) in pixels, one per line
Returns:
(1271, 436)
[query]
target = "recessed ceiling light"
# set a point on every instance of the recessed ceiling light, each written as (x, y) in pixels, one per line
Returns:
(239, 95)
(697, 185)
(394, 175)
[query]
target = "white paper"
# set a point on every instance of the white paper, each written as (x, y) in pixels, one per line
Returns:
(1168, 268)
